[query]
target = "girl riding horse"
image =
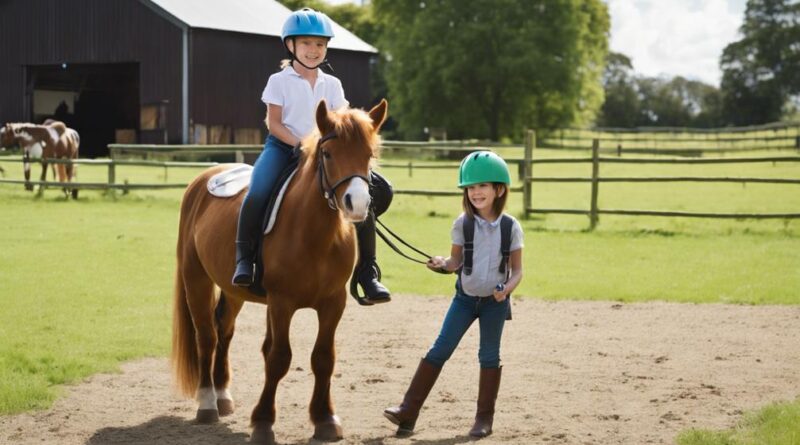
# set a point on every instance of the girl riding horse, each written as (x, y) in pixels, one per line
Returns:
(312, 247)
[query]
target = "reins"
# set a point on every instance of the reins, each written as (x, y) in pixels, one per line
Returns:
(329, 193)
(404, 242)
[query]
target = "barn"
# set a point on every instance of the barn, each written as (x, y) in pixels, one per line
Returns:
(153, 71)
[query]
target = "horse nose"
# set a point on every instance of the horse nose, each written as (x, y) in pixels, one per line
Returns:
(348, 202)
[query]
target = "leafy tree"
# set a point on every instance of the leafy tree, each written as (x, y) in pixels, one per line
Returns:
(762, 70)
(621, 106)
(490, 68)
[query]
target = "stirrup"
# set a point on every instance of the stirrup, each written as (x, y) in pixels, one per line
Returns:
(364, 300)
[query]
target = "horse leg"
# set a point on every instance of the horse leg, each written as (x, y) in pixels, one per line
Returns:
(200, 290)
(327, 426)
(226, 313)
(26, 168)
(62, 177)
(71, 172)
(43, 177)
(277, 356)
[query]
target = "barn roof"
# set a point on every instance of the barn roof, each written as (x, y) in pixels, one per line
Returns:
(264, 17)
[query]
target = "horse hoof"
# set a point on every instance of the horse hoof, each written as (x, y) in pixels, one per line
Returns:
(207, 416)
(263, 435)
(225, 407)
(329, 430)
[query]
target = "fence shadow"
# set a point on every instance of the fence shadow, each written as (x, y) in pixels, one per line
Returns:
(168, 430)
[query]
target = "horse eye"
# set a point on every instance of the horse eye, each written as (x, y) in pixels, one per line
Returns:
(325, 154)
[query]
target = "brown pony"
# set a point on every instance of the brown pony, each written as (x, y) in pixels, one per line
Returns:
(309, 256)
(56, 142)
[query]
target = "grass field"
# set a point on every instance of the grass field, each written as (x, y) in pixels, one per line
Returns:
(87, 284)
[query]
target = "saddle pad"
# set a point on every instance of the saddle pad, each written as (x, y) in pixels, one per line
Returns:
(230, 182)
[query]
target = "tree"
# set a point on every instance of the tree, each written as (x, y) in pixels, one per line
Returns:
(621, 106)
(762, 70)
(633, 101)
(490, 68)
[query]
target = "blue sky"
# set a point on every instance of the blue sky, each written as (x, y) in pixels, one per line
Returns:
(671, 37)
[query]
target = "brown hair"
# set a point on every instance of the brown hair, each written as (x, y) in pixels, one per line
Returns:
(498, 205)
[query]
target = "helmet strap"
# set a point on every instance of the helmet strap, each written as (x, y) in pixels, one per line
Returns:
(324, 63)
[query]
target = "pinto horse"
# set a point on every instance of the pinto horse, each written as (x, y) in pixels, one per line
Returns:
(309, 256)
(55, 141)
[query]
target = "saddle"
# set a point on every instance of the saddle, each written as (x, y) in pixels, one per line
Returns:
(231, 182)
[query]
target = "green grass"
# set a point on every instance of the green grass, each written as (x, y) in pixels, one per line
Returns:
(777, 424)
(87, 284)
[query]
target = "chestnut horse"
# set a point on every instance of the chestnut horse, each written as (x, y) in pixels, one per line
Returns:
(309, 256)
(55, 141)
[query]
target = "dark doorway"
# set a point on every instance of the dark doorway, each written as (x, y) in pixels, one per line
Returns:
(97, 100)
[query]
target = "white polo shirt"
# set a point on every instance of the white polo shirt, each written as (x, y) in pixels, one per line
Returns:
(486, 253)
(289, 90)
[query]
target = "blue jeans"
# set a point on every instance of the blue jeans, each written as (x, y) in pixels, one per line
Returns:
(463, 311)
(268, 166)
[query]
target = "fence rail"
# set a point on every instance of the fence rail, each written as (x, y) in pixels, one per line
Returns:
(525, 166)
(594, 211)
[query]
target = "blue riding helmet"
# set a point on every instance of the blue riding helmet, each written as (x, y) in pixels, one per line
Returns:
(307, 22)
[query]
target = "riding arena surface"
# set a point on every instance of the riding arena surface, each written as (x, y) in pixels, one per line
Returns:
(574, 373)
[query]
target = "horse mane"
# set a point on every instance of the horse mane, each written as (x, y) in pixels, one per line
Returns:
(350, 124)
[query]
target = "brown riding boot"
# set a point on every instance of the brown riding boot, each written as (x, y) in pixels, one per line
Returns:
(487, 394)
(405, 415)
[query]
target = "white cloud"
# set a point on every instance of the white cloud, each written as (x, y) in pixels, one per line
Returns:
(676, 37)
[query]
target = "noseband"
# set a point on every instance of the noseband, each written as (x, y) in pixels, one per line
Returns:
(328, 191)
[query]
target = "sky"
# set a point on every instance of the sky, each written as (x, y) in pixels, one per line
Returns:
(671, 37)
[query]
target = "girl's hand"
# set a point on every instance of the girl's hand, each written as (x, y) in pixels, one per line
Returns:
(500, 293)
(437, 264)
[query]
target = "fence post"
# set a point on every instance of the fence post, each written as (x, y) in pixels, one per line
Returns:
(112, 176)
(595, 183)
(410, 169)
(530, 143)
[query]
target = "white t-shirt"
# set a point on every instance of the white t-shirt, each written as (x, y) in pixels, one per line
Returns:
(289, 90)
(486, 253)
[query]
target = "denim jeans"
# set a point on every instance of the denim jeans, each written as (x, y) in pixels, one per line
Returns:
(268, 166)
(463, 311)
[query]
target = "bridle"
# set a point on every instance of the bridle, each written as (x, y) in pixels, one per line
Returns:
(328, 191)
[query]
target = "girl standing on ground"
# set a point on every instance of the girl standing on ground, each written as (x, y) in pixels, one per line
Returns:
(483, 287)
(291, 96)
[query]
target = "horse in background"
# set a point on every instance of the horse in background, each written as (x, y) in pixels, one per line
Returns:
(52, 140)
(309, 256)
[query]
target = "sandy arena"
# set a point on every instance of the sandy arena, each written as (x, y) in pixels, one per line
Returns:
(574, 373)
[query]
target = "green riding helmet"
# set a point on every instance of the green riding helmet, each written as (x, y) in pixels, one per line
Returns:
(483, 166)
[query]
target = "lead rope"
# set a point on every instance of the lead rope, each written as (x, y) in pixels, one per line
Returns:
(397, 249)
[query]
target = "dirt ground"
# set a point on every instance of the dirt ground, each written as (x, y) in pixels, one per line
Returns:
(574, 373)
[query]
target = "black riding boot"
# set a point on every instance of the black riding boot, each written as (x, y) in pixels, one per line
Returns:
(247, 232)
(367, 273)
(245, 266)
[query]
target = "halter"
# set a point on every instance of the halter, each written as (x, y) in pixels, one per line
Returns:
(328, 191)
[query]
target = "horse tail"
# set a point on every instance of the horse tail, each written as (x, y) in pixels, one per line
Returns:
(185, 362)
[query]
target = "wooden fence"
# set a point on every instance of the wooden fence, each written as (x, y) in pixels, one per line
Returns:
(593, 212)
(524, 166)
(677, 141)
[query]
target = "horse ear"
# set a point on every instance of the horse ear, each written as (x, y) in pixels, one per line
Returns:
(324, 121)
(378, 114)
